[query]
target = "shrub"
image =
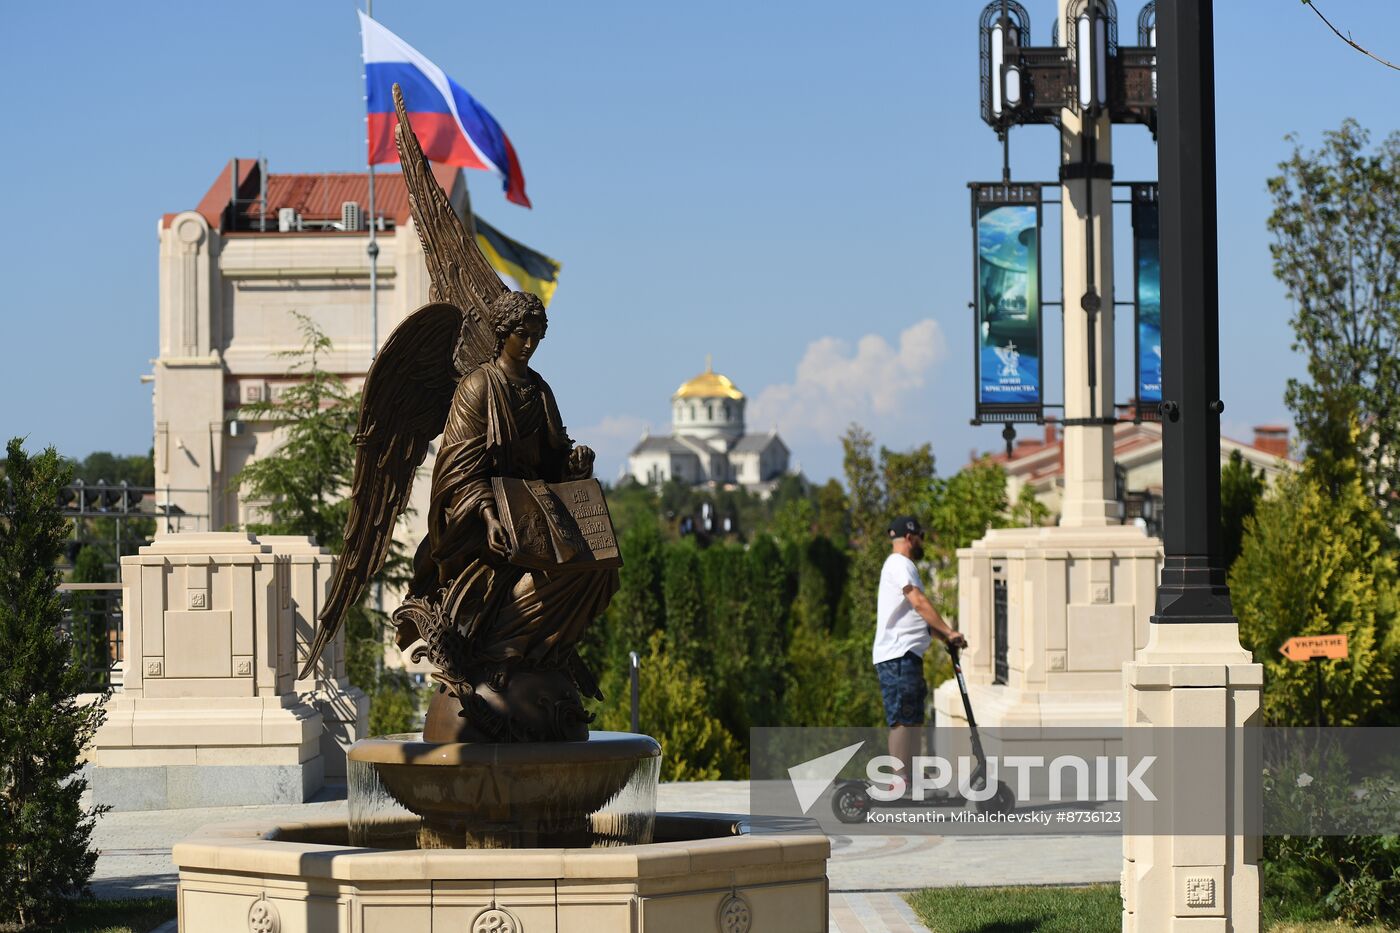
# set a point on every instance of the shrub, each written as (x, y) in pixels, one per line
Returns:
(1315, 564)
(674, 709)
(45, 856)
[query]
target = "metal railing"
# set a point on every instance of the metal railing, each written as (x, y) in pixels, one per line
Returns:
(92, 620)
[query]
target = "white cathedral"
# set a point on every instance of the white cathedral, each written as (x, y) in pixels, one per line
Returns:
(707, 443)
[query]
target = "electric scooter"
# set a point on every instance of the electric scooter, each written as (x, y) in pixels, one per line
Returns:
(852, 800)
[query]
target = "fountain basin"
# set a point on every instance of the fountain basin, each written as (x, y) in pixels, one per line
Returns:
(703, 872)
(408, 793)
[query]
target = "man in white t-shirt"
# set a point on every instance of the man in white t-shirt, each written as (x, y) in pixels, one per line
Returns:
(904, 625)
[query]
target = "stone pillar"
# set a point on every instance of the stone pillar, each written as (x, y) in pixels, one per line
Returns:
(189, 376)
(1193, 677)
(344, 708)
(1078, 602)
(208, 714)
(1078, 596)
(1086, 193)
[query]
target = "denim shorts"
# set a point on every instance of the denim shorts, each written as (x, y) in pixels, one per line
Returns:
(903, 689)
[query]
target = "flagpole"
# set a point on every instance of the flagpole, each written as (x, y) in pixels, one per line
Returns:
(373, 248)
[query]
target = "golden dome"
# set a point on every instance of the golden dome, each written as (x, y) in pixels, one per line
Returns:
(709, 384)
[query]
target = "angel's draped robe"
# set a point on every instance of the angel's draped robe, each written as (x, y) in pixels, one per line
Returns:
(502, 427)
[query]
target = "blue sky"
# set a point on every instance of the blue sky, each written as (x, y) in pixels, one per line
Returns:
(782, 185)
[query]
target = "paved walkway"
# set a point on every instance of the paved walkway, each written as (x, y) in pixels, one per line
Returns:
(135, 855)
(874, 912)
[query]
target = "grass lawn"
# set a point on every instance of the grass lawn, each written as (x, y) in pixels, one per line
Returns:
(139, 915)
(1091, 909)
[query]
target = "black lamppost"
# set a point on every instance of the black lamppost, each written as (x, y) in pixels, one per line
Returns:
(1193, 587)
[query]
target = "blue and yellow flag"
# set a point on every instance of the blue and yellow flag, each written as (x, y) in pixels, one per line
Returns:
(520, 267)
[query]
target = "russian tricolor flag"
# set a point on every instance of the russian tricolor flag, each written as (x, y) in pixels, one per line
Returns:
(453, 128)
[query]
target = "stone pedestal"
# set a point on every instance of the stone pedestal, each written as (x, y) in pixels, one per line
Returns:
(209, 712)
(1193, 677)
(703, 873)
(1077, 602)
(344, 708)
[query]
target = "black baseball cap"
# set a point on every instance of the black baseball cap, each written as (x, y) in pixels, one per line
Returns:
(905, 525)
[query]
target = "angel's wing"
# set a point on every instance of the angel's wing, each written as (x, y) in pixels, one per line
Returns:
(456, 268)
(407, 396)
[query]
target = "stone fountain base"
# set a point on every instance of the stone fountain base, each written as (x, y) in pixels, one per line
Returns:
(703, 872)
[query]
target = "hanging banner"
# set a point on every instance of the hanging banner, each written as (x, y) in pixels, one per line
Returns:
(1147, 296)
(1006, 223)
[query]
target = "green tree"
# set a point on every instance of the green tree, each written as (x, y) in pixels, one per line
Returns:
(795, 520)
(630, 505)
(833, 511)
(301, 488)
(1241, 488)
(1027, 511)
(723, 659)
(639, 607)
(684, 597)
(46, 857)
(898, 484)
(961, 508)
(822, 569)
(1313, 564)
(674, 705)
(830, 681)
(864, 490)
(101, 466)
(1336, 227)
(764, 615)
(109, 538)
(908, 476)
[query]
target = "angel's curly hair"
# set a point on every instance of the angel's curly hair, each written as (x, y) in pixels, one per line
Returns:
(512, 310)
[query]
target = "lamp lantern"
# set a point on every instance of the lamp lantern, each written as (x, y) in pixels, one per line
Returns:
(1003, 31)
(1147, 36)
(1094, 41)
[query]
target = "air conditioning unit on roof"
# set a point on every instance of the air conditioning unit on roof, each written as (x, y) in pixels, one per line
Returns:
(351, 217)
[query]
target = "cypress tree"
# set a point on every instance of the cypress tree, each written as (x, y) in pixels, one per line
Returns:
(1241, 488)
(45, 834)
(638, 609)
(684, 595)
(765, 617)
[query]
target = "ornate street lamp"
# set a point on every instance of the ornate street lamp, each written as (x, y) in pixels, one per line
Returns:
(1004, 28)
(1025, 84)
(1093, 41)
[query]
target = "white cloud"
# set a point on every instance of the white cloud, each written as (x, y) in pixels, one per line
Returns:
(836, 384)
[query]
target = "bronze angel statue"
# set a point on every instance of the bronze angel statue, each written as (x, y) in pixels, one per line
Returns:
(500, 630)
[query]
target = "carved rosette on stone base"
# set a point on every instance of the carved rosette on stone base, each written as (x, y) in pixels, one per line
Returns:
(734, 915)
(263, 917)
(496, 920)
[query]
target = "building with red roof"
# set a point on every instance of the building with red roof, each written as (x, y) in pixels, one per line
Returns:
(237, 270)
(1137, 453)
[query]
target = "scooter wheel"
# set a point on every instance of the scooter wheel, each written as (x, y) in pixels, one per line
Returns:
(850, 803)
(1003, 801)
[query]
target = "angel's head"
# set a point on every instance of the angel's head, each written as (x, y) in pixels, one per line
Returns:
(520, 315)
